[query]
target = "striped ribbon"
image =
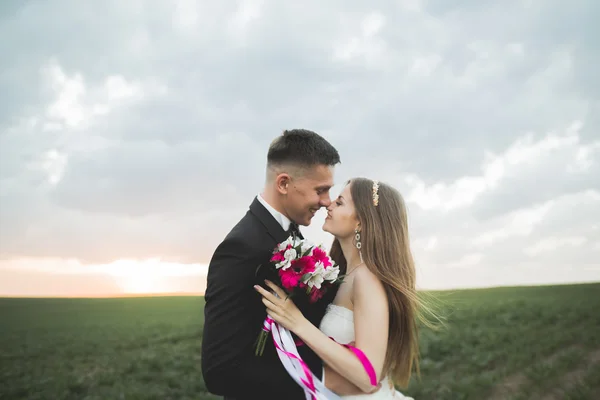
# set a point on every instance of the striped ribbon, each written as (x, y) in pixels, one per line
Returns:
(314, 389)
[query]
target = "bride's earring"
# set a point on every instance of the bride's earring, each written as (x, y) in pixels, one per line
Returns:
(357, 237)
(358, 243)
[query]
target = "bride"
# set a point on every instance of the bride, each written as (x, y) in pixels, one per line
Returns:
(375, 308)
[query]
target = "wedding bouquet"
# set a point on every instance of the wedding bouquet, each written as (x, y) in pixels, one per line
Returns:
(301, 269)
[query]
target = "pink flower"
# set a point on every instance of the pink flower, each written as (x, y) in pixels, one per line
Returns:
(316, 294)
(278, 257)
(306, 264)
(320, 255)
(289, 278)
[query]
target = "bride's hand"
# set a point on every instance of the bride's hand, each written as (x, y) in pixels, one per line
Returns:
(282, 309)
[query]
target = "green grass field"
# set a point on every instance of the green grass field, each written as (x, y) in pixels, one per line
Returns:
(505, 343)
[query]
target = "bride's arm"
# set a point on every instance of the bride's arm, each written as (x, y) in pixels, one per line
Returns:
(371, 321)
(338, 384)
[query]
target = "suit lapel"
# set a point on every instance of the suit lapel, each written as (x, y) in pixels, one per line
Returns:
(274, 229)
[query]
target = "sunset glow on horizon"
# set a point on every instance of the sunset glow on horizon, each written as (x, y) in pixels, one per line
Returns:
(47, 277)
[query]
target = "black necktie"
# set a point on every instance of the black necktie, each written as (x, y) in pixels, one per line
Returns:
(294, 230)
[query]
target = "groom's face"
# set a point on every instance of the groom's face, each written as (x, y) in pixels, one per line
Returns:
(308, 192)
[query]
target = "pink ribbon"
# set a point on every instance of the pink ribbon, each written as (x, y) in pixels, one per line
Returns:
(268, 325)
(364, 361)
(361, 357)
(267, 328)
(309, 377)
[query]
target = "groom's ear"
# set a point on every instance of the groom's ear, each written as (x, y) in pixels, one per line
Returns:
(282, 181)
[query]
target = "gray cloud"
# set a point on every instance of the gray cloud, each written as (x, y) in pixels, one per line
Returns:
(130, 131)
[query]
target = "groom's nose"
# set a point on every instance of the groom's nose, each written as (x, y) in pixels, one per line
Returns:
(325, 200)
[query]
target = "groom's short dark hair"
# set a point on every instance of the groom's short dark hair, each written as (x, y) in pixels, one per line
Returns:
(303, 148)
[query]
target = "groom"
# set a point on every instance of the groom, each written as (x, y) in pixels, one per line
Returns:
(300, 166)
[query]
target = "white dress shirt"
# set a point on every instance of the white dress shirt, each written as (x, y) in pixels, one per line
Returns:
(279, 217)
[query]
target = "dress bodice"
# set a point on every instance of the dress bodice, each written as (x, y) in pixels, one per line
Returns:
(338, 323)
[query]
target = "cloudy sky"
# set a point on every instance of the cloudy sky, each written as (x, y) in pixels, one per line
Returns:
(133, 134)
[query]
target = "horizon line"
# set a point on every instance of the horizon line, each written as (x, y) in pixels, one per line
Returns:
(201, 294)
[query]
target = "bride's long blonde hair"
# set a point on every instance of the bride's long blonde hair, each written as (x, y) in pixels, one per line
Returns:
(386, 252)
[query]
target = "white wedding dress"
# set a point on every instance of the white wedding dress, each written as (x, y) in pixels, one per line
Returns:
(338, 323)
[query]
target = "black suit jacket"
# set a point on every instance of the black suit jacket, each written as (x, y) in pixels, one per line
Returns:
(234, 314)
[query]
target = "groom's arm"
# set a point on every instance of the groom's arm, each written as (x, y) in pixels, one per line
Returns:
(233, 319)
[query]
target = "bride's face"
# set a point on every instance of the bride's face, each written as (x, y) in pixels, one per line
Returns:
(341, 219)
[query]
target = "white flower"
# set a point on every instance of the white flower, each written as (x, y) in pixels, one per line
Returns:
(317, 276)
(289, 256)
(331, 273)
(315, 281)
(288, 242)
(305, 246)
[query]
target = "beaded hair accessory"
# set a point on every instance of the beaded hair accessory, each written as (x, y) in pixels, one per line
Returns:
(375, 193)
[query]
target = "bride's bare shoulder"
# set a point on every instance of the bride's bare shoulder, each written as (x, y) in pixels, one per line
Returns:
(366, 283)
